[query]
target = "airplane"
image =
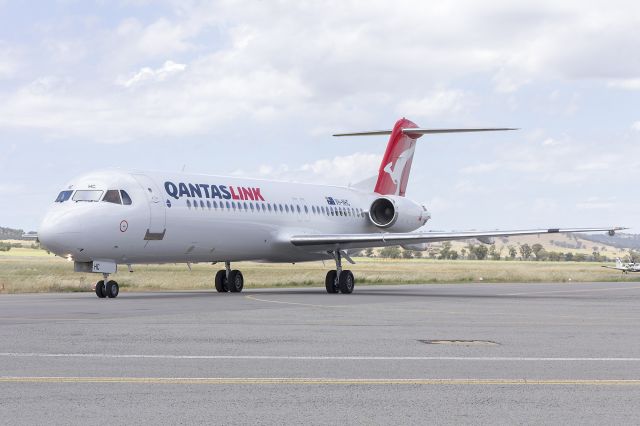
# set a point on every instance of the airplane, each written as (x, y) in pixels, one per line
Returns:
(114, 217)
(624, 267)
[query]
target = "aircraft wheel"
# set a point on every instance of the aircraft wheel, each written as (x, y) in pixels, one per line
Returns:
(100, 290)
(221, 277)
(112, 289)
(236, 281)
(330, 282)
(346, 282)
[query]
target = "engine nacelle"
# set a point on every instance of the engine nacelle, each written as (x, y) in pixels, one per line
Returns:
(397, 214)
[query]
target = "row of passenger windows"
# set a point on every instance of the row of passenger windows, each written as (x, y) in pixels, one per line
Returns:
(277, 208)
(114, 196)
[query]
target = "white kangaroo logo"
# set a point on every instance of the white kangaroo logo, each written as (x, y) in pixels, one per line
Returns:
(396, 173)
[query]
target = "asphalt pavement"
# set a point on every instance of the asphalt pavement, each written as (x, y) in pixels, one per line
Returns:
(420, 354)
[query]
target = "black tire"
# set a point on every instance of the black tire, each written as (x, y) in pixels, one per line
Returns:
(112, 289)
(100, 290)
(236, 281)
(221, 278)
(346, 282)
(330, 282)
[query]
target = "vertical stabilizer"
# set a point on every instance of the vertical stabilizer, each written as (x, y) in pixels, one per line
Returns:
(396, 163)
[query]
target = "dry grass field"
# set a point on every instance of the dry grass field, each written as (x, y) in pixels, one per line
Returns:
(28, 270)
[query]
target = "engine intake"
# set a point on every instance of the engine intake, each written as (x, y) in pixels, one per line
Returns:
(383, 213)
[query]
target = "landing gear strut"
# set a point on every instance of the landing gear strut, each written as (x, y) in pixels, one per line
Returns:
(107, 288)
(339, 280)
(229, 280)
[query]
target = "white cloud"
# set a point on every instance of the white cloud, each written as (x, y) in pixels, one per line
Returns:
(147, 74)
(636, 126)
(434, 105)
(8, 62)
(480, 168)
(340, 170)
(627, 84)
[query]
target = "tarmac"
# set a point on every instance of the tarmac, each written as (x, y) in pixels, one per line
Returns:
(414, 354)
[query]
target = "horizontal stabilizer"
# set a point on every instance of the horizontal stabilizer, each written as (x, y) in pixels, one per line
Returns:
(420, 132)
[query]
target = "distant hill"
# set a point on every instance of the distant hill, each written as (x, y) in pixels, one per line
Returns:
(620, 240)
(11, 234)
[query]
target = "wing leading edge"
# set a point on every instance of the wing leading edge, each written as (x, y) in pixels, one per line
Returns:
(331, 241)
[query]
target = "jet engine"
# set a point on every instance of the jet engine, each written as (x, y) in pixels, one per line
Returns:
(397, 214)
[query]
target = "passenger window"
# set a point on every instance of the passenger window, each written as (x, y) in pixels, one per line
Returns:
(112, 196)
(286, 208)
(209, 204)
(228, 205)
(298, 208)
(189, 203)
(306, 210)
(202, 204)
(126, 200)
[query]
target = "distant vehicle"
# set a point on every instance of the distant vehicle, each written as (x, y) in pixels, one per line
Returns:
(624, 267)
(123, 217)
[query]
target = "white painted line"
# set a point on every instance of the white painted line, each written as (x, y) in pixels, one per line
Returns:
(578, 290)
(318, 357)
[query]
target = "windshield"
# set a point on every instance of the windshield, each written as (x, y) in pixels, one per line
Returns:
(90, 195)
(63, 196)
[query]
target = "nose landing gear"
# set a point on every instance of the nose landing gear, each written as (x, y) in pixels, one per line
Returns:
(110, 289)
(228, 280)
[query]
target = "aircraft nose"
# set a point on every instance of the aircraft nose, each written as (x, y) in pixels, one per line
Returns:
(59, 232)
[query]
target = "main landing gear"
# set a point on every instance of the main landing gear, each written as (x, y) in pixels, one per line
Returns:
(339, 280)
(228, 280)
(107, 288)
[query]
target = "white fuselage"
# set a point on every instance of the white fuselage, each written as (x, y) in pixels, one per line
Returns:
(202, 218)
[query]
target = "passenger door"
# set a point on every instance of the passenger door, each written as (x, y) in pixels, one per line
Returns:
(157, 212)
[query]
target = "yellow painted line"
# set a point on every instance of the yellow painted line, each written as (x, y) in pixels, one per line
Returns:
(318, 381)
(294, 303)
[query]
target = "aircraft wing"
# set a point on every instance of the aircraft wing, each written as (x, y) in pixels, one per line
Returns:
(616, 268)
(332, 241)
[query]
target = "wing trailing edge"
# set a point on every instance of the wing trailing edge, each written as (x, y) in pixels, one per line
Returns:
(329, 241)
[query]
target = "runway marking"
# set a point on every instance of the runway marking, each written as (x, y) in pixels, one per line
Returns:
(318, 357)
(294, 303)
(570, 291)
(318, 381)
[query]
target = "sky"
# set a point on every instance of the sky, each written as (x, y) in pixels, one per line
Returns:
(256, 88)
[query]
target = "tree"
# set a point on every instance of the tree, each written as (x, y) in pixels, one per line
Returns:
(537, 249)
(493, 253)
(525, 251)
(568, 257)
(480, 251)
(512, 252)
(407, 254)
(445, 250)
(463, 253)
(392, 252)
(417, 254)
(368, 252)
(471, 249)
(453, 255)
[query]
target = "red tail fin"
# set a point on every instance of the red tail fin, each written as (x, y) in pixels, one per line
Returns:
(396, 163)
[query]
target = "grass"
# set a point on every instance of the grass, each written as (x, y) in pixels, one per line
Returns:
(27, 270)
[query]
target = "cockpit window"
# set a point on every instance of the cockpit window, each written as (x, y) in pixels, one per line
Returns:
(87, 195)
(112, 196)
(126, 200)
(63, 196)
